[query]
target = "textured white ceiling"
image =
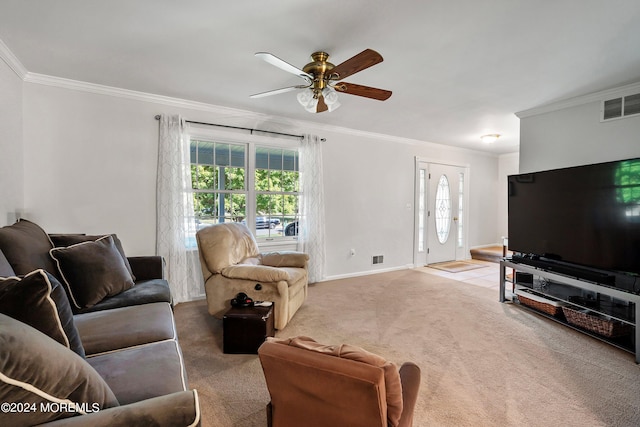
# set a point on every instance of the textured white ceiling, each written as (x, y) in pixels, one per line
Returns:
(457, 68)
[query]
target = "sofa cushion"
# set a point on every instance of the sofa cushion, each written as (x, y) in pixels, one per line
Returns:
(64, 240)
(38, 372)
(38, 300)
(92, 271)
(393, 387)
(157, 366)
(144, 292)
(26, 247)
(124, 327)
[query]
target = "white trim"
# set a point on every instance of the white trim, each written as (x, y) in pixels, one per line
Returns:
(580, 100)
(364, 273)
(196, 401)
(310, 127)
(12, 61)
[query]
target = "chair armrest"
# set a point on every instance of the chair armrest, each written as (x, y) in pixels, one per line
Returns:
(410, 379)
(179, 409)
(259, 273)
(147, 267)
(284, 259)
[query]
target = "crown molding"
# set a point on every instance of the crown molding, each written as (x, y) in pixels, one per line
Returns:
(12, 61)
(580, 100)
(301, 126)
(304, 126)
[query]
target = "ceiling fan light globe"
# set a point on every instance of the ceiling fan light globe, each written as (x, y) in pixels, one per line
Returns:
(304, 97)
(330, 96)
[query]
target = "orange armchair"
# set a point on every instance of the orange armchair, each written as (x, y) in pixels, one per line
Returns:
(315, 385)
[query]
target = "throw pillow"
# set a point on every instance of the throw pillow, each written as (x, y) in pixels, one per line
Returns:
(64, 240)
(38, 300)
(27, 247)
(42, 375)
(92, 271)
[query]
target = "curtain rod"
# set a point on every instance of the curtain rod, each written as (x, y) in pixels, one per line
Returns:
(157, 117)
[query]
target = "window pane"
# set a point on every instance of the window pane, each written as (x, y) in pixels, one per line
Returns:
(443, 209)
(275, 159)
(233, 178)
(275, 180)
(205, 153)
(262, 158)
(290, 181)
(212, 208)
(262, 180)
(222, 155)
(290, 160)
(204, 177)
(237, 155)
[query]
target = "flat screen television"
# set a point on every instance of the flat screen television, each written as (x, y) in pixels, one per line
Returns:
(584, 218)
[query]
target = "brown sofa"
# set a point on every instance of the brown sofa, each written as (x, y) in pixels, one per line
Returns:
(114, 362)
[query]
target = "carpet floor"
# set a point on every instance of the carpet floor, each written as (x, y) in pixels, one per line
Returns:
(483, 363)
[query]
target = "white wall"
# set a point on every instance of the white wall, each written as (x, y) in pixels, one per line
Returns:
(11, 161)
(575, 136)
(92, 168)
(369, 184)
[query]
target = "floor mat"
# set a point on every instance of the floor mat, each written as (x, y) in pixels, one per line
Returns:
(455, 266)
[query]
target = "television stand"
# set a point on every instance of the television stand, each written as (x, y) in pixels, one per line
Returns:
(590, 305)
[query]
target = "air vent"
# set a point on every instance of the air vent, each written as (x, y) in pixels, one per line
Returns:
(621, 107)
(377, 259)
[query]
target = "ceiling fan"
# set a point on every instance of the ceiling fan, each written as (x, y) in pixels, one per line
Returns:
(323, 80)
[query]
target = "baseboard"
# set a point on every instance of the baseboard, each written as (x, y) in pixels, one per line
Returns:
(365, 273)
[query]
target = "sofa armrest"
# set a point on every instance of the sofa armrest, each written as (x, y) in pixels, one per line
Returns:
(176, 409)
(410, 379)
(147, 267)
(284, 259)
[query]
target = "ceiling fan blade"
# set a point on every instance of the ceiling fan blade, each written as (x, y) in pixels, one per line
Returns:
(366, 91)
(277, 91)
(361, 61)
(322, 106)
(283, 65)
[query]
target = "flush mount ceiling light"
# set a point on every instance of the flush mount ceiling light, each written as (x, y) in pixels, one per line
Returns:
(489, 138)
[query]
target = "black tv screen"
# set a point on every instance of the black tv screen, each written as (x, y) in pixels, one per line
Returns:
(586, 215)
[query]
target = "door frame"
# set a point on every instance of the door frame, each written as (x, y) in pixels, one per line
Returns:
(463, 252)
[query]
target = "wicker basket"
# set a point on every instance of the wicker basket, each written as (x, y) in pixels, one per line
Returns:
(596, 323)
(550, 307)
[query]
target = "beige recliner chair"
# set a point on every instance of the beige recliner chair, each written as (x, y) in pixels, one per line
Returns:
(315, 385)
(231, 263)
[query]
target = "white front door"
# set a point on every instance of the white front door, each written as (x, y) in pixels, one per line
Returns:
(439, 213)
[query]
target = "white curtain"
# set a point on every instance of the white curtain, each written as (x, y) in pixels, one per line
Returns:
(311, 238)
(175, 230)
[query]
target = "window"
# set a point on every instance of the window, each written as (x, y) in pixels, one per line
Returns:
(443, 209)
(276, 192)
(241, 182)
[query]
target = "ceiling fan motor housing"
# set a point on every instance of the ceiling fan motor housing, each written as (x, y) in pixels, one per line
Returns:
(319, 69)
